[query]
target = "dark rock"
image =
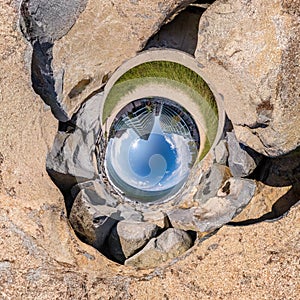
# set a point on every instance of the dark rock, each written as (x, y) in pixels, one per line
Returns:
(49, 19)
(242, 160)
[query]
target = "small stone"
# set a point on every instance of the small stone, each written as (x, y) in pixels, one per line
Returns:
(170, 244)
(221, 153)
(128, 237)
(242, 161)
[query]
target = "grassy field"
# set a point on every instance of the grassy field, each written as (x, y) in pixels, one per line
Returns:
(171, 74)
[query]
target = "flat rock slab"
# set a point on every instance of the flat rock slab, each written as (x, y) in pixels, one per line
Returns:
(170, 244)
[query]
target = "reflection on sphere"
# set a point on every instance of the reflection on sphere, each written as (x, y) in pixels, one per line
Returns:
(153, 143)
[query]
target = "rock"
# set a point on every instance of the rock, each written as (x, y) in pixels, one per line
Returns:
(242, 161)
(96, 192)
(128, 212)
(221, 153)
(49, 19)
(81, 54)
(170, 244)
(156, 217)
(129, 237)
(42, 22)
(181, 33)
(248, 51)
(231, 198)
(211, 182)
(71, 158)
(92, 222)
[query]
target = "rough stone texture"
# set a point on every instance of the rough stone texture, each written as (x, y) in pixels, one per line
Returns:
(221, 153)
(92, 220)
(129, 237)
(42, 22)
(49, 19)
(170, 244)
(128, 212)
(96, 193)
(41, 258)
(250, 52)
(211, 182)
(216, 211)
(82, 57)
(242, 161)
(71, 158)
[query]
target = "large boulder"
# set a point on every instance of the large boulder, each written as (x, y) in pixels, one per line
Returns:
(249, 51)
(69, 60)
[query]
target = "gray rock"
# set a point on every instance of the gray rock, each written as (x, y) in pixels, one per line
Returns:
(211, 182)
(96, 192)
(183, 219)
(231, 198)
(92, 222)
(170, 244)
(156, 217)
(71, 158)
(50, 19)
(42, 22)
(255, 73)
(128, 212)
(221, 153)
(242, 161)
(129, 237)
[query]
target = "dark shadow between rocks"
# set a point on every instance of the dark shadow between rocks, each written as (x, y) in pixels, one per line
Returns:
(181, 33)
(278, 172)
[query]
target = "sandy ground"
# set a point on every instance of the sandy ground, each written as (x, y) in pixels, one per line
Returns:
(41, 258)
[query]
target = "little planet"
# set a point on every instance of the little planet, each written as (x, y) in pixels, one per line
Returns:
(152, 146)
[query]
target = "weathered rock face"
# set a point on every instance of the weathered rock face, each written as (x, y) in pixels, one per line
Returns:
(217, 210)
(128, 237)
(71, 158)
(65, 73)
(168, 245)
(250, 52)
(242, 161)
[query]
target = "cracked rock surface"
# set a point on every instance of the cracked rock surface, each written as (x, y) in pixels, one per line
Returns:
(250, 51)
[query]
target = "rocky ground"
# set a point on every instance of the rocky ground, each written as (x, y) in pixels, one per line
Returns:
(40, 256)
